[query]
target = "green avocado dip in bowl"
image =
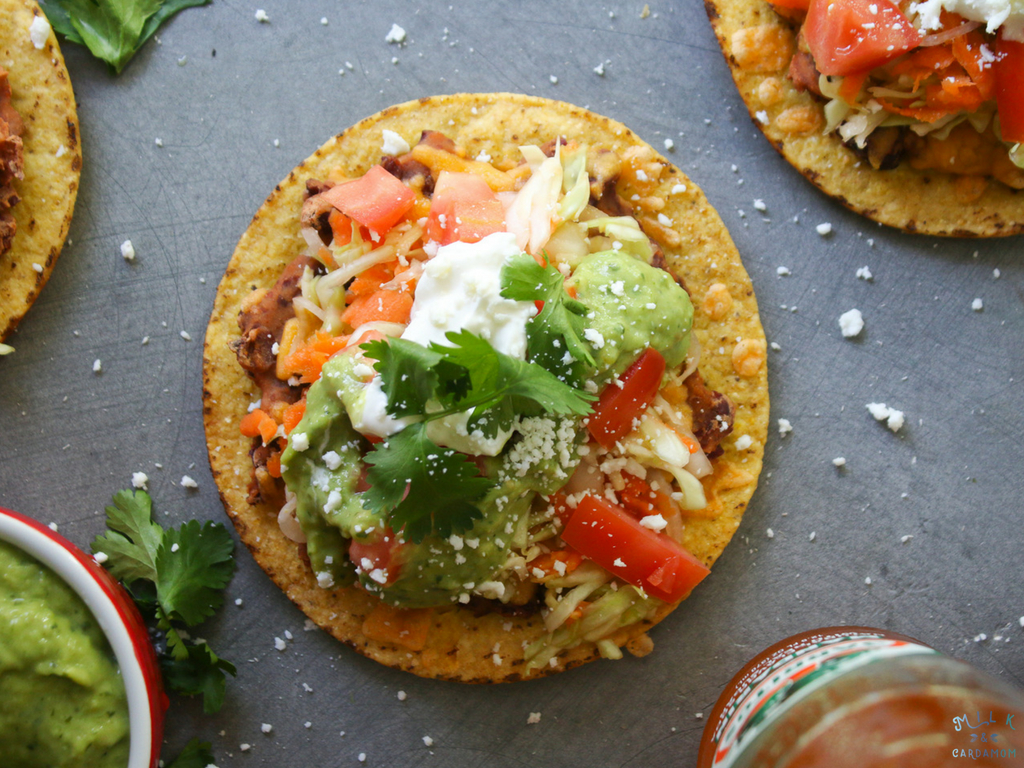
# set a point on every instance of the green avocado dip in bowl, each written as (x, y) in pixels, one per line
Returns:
(79, 685)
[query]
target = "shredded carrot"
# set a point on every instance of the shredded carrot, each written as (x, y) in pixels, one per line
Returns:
(250, 424)
(577, 612)
(379, 306)
(546, 562)
(851, 86)
(274, 464)
(967, 50)
(308, 360)
(372, 279)
(268, 428)
(924, 114)
(293, 415)
(924, 62)
(341, 227)
(438, 160)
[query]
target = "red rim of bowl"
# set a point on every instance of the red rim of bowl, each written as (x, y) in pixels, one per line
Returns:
(120, 621)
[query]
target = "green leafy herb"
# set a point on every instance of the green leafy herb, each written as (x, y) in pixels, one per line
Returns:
(112, 29)
(555, 335)
(175, 575)
(442, 485)
(434, 382)
(196, 754)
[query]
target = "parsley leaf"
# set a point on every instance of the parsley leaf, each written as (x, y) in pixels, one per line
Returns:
(200, 672)
(442, 484)
(132, 542)
(113, 30)
(558, 328)
(196, 754)
(175, 575)
(193, 565)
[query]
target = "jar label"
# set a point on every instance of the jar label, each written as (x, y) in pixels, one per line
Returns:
(789, 674)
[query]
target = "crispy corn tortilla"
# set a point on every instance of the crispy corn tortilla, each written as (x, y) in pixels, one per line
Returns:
(460, 645)
(53, 160)
(758, 45)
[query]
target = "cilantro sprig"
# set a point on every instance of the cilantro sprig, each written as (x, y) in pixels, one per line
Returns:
(420, 487)
(176, 576)
(554, 336)
(113, 30)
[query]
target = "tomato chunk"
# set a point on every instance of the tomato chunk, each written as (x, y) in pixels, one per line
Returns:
(618, 407)
(616, 541)
(378, 551)
(378, 200)
(1009, 77)
(463, 209)
(845, 36)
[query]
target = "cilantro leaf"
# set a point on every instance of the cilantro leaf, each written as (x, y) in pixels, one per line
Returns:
(113, 30)
(411, 373)
(442, 485)
(196, 754)
(558, 328)
(133, 540)
(192, 565)
(200, 672)
(504, 387)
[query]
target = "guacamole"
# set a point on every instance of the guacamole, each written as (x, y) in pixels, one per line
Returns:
(62, 700)
(632, 306)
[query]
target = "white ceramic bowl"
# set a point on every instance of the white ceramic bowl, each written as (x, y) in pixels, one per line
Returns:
(118, 618)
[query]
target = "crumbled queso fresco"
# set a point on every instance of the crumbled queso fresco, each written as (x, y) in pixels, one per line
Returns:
(892, 417)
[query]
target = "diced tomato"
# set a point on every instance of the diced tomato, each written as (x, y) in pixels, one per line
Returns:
(846, 37)
(797, 5)
(613, 539)
(379, 550)
(377, 200)
(463, 209)
(1009, 87)
(618, 407)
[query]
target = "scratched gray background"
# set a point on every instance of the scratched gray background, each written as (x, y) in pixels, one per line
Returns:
(71, 438)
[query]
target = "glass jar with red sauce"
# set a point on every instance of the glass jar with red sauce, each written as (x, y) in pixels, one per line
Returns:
(856, 697)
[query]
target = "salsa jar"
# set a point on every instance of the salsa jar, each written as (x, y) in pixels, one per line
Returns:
(856, 697)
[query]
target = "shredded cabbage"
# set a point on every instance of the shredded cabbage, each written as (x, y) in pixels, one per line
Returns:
(528, 216)
(626, 231)
(1017, 155)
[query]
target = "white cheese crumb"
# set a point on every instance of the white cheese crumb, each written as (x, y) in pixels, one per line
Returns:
(261, 16)
(977, 305)
(669, 145)
(678, 189)
(402, 696)
(867, 580)
(362, 757)
(62, 150)
(37, 267)
(839, 461)
(783, 272)
(619, 563)
(759, 205)
(244, 747)
(332, 460)
(784, 427)
(654, 522)
(139, 480)
(456, 541)
(428, 741)
(641, 175)
(664, 220)
(980, 637)
(483, 157)
(906, 539)
(813, 536)
(128, 250)
(299, 441)
(775, 345)
(599, 69)
(824, 228)
(238, 602)
(325, 580)
(553, 79)
(995, 272)
(762, 116)
(100, 557)
(533, 719)
(280, 644)
(743, 442)
(893, 418)
(39, 31)
(864, 273)
(186, 335)
(396, 35)
(770, 533)
(594, 337)
(323, 20)
(851, 323)
(158, 141)
(188, 482)
(393, 143)
(266, 727)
